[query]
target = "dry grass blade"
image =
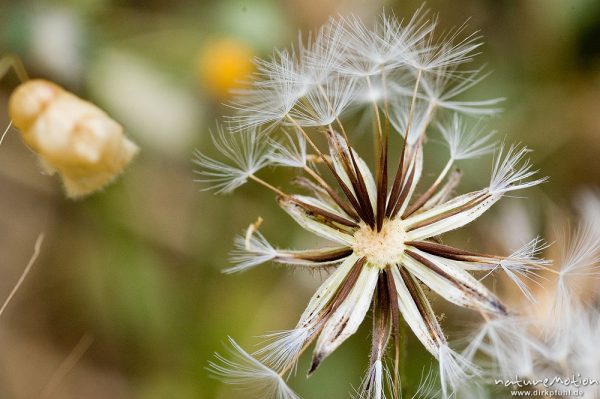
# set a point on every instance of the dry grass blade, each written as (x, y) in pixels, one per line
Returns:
(67, 365)
(36, 253)
(5, 132)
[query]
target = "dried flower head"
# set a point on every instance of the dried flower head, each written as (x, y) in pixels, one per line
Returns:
(384, 228)
(71, 137)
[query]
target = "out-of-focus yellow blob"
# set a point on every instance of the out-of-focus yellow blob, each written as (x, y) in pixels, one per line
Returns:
(224, 65)
(72, 137)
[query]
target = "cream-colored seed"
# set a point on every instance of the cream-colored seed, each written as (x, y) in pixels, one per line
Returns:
(72, 137)
(381, 248)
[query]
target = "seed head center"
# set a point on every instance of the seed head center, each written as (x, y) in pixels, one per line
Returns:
(381, 248)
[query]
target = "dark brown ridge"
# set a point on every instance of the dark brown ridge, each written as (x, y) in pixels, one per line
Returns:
(495, 302)
(326, 188)
(453, 212)
(324, 213)
(447, 251)
(341, 295)
(356, 179)
(324, 256)
(403, 193)
(432, 326)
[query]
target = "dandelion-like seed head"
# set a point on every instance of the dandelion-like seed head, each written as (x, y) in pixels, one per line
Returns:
(382, 219)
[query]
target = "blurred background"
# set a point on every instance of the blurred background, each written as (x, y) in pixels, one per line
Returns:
(127, 299)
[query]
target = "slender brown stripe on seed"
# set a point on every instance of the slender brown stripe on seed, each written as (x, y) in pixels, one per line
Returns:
(336, 176)
(350, 279)
(324, 213)
(345, 188)
(309, 185)
(395, 315)
(397, 185)
(383, 140)
(348, 284)
(381, 318)
(317, 214)
(463, 287)
(381, 324)
(339, 298)
(471, 204)
(329, 165)
(333, 195)
(447, 251)
(434, 332)
(445, 191)
(356, 178)
(345, 161)
(421, 201)
(323, 256)
(393, 293)
(363, 194)
(401, 174)
(404, 192)
(362, 187)
(382, 186)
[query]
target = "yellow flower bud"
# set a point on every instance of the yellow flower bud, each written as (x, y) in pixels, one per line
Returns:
(223, 65)
(72, 137)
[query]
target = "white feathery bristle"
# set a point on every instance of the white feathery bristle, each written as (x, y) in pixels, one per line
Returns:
(403, 38)
(303, 67)
(386, 47)
(371, 91)
(320, 57)
(473, 108)
(246, 152)
(581, 252)
(584, 349)
(523, 263)
(507, 344)
(250, 252)
(580, 260)
(400, 118)
(562, 334)
(402, 86)
(455, 370)
(363, 51)
(283, 348)
(291, 152)
(288, 77)
(282, 68)
(427, 385)
(265, 102)
(325, 102)
(448, 52)
(249, 374)
(588, 205)
(373, 385)
(511, 171)
(442, 89)
(465, 142)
